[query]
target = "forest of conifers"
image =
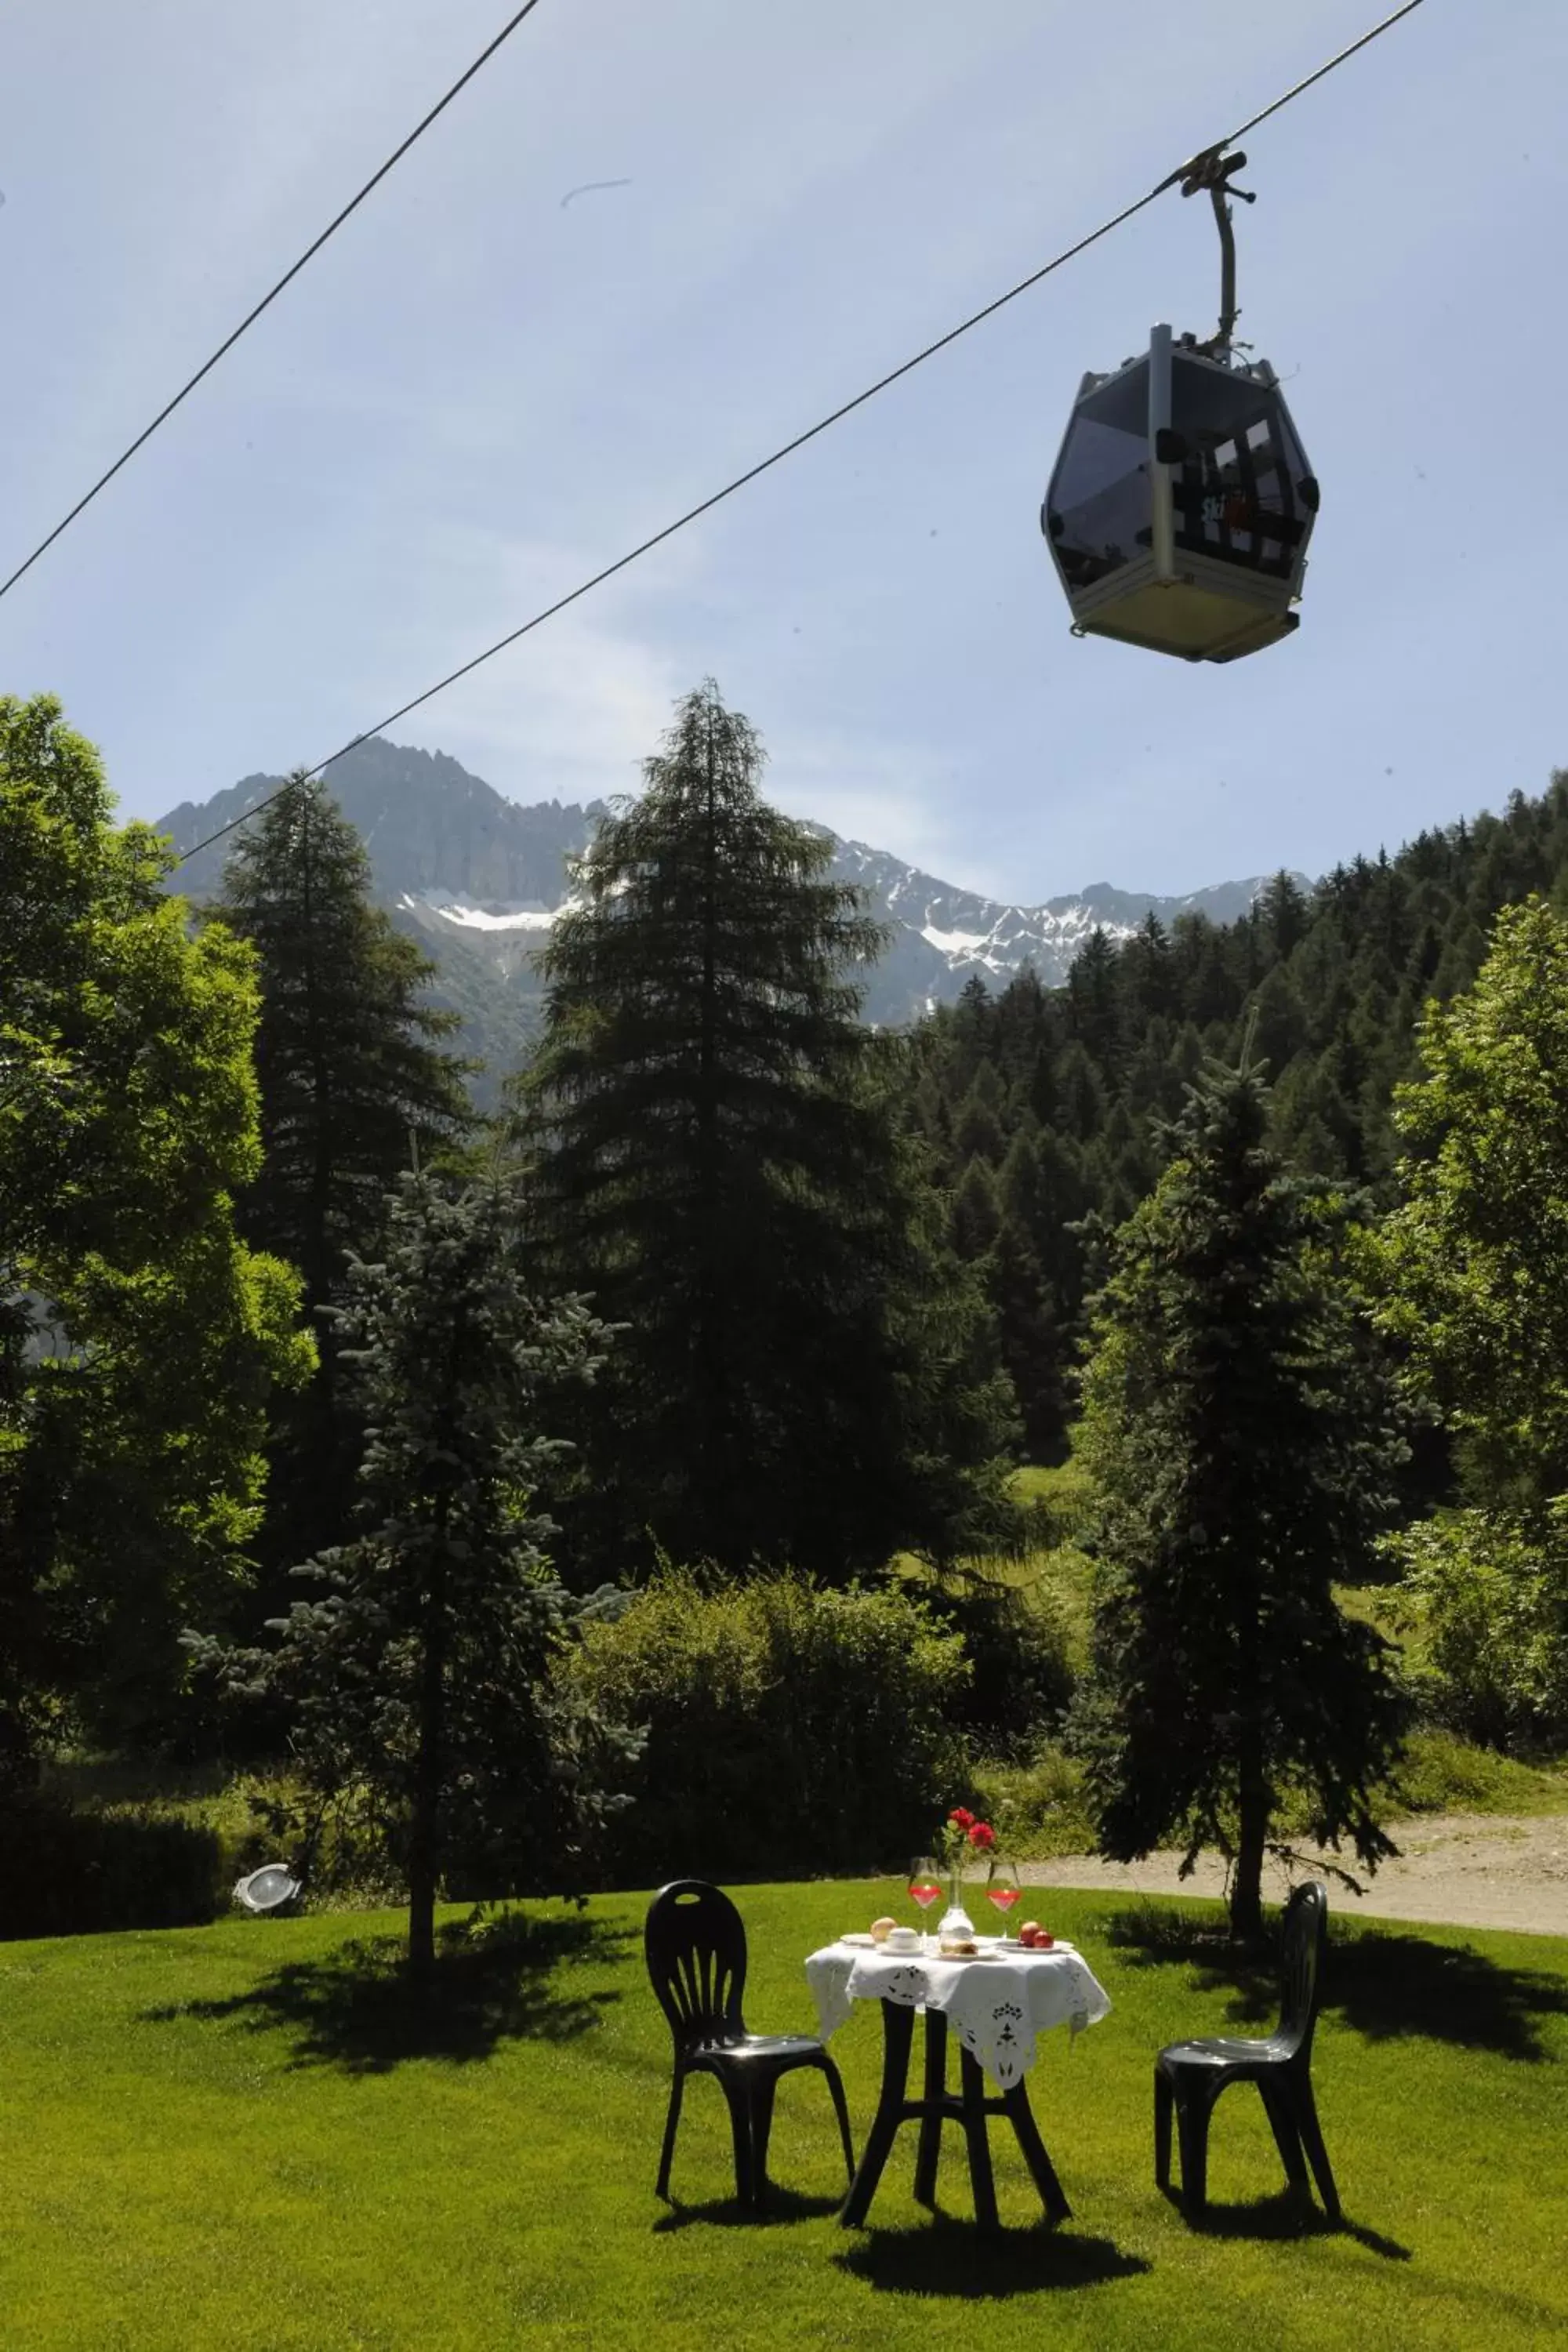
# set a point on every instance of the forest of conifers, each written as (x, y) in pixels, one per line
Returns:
(1045, 1108)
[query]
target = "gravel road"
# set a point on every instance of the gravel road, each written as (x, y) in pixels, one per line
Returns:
(1463, 1869)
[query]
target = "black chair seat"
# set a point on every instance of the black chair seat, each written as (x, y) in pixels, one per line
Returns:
(1190, 2076)
(695, 1943)
(1224, 2050)
(759, 2049)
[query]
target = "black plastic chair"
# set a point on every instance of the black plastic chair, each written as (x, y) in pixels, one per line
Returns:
(695, 1941)
(1190, 2076)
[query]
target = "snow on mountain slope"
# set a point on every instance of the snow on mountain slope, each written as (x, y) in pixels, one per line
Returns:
(480, 878)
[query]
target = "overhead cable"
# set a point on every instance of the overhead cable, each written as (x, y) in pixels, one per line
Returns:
(288, 277)
(846, 408)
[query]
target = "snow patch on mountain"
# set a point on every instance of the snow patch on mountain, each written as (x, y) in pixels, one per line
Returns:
(534, 917)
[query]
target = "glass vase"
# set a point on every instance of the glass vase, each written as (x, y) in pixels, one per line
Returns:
(955, 1920)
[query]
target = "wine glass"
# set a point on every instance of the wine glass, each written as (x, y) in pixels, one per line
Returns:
(925, 1881)
(1002, 1886)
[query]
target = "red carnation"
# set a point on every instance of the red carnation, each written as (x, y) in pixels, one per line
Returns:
(980, 1834)
(962, 1816)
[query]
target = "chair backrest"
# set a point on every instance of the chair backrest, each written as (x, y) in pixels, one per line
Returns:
(1305, 1942)
(695, 1943)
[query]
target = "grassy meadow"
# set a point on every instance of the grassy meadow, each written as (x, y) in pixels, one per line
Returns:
(251, 2135)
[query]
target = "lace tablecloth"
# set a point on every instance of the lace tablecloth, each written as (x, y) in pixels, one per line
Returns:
(997, 2007)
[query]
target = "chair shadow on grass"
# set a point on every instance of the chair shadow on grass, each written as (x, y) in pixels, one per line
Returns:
(359, 2009)
(729, 2214)
(1386, 1985)
(1286, 2216)
(945, 2257)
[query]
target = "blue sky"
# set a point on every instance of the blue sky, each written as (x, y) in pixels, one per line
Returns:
(478, 394)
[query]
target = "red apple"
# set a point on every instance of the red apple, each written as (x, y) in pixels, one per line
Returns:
(1029, 1932)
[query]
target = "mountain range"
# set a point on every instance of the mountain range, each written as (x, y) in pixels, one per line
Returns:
(479, 879)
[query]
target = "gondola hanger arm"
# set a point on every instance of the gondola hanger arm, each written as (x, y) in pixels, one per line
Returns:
(1211, 170)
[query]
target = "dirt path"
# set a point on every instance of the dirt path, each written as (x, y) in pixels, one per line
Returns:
(1465, 1870)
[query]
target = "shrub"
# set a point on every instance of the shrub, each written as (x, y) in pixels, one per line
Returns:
(1038, 1807)
(70, 1873)
(1493, 1594)
(1018, 1639)
(790, 1728)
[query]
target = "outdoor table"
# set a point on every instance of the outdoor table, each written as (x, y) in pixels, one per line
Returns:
(996, 2008)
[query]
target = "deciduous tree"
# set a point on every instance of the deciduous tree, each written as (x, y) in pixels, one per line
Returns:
(139, 1337)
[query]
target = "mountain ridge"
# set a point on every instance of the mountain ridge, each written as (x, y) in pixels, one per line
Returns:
(479, 878)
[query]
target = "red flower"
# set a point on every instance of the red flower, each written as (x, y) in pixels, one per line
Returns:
(962, 1817)
(982, 1834)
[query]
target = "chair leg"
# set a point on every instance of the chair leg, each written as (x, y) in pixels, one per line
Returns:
(841, 2109)
(762, 2104)
(1307, 2124)
(1164, 2104)
(1287, 2138)
(1192, 2116)
(741, 2133)
(675, 2090)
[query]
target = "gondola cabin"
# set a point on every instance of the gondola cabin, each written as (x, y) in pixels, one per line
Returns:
(1181, 505)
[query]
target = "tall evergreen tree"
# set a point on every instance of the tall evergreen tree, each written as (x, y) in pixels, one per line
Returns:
(420, 1675)
(351, 1079)
(1244, 1441)
(805, 1373)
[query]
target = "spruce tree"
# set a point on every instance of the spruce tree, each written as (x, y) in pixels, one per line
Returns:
(352, 1080)
(805, 1373)
(1244, 1439)
(421, 1676)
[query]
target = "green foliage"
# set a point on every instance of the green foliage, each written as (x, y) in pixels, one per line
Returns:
(65, 1872)
(1475, 1259)
(419, 1675)
(1038, 1805)
(1082, 1079)
(789, 1726)
(1019, 1636)
(806, 1375)
(1473, 1265)
(1441, 1774)
(1243, 1439)
(1492, 1591)
(139, 1337)
(351, 1083)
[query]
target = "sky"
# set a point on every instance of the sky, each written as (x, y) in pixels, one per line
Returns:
(487, 386)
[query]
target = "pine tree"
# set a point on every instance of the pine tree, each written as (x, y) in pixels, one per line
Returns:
(351, 1079)
(715, 1159)
(421, 1677)
(1244, 1440)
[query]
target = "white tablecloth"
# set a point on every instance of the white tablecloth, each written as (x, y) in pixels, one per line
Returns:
(997, 2007)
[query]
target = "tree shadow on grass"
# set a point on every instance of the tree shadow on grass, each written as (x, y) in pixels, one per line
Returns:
(1288, 2216)
(1386, 1986)
(360, 2009)
(949, 2257)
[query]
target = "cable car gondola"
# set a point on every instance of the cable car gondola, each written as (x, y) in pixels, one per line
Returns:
(1182, 502)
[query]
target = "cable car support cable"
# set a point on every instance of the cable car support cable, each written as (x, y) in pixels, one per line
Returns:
(1203, 162)
(267, 300)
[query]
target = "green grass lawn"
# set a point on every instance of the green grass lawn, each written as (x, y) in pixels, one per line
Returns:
(245, 2136)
